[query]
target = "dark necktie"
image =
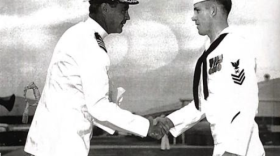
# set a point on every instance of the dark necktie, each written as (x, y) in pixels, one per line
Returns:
(203, 61)
(100, 41)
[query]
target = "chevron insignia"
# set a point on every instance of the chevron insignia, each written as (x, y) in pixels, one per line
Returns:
(239, 78)
(100, 41)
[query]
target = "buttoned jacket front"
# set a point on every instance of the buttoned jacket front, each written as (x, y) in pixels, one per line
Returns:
(75, 96)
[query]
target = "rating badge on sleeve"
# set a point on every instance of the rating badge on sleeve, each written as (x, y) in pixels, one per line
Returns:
(239, 76)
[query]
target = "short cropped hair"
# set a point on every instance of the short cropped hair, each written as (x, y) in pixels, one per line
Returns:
(95, 4)
(227, 4)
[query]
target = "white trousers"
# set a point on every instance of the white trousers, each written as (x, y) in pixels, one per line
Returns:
(255, 147)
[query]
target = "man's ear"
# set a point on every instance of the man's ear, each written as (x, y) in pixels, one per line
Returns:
(213, 10)
(104, 7)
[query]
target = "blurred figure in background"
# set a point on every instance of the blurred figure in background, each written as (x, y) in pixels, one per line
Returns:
(165, 145)
(8, 102)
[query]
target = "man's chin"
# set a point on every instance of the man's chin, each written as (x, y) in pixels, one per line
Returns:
(201, 33)
(120, 30)
(117, 31)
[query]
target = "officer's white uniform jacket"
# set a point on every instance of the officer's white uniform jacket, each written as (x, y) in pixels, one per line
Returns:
(75, 95)
(233, 100)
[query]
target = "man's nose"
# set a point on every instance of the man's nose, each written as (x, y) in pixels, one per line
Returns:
(127, 17)
(193, 17)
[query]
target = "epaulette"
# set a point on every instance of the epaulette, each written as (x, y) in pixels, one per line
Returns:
(100, 41)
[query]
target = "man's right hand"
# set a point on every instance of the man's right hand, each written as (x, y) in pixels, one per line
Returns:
(165, 123)
(155, 130)
(159, 127)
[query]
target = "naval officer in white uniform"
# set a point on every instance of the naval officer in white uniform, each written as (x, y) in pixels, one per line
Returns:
(225, 86)
(76, 92)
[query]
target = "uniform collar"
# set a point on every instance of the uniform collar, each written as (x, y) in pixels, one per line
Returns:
(226, 30)
(94, 26)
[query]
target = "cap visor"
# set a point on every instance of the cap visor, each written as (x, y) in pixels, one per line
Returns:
(130, 2)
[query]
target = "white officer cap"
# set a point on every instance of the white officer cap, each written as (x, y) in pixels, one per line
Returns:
(130, 2)
(198, 1)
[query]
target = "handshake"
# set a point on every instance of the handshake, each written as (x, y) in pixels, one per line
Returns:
(159, 127)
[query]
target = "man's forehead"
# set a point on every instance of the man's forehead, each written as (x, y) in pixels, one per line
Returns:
(126, 6)
(198, 1)
(202, 3)
(199, 5)
(123, 6)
